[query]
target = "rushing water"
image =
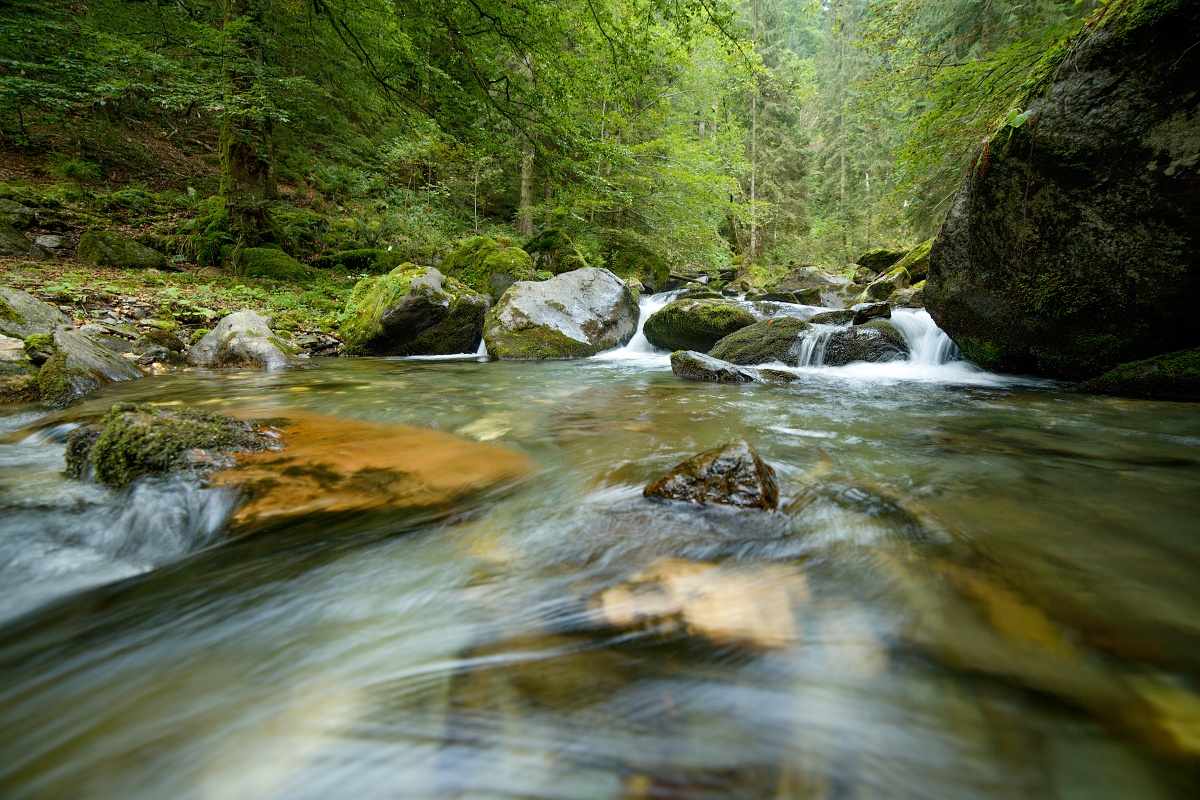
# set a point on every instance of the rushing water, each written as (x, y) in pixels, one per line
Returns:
(976, 587)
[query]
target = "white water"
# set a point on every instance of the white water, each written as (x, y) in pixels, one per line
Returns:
(639, 351)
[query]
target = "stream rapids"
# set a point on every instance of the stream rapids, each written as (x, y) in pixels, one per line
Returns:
(977, 586)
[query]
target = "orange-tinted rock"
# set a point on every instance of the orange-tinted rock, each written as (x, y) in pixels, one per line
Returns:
(731, 474)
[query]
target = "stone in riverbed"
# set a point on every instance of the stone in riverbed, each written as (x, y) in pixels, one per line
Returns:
(573, 315)
(489, 267)
(695, 324)
(413, 311)
(18, 377)
(877, 340)
(693, 366)
(912, 297)
(730, 474)
(884, 285)
(242, 339)
(840, 317)
(776, 339)
(76, 365)
(1173, 376)
(22, 315)
(865, 312)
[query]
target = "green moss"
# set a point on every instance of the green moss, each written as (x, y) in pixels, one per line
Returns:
(630, 257)
(695, 324)
(143, 439)
(363, 260)
(1173, 376)
(487, 267)
(916, 262)
(880, 259)
(54, 380)
(361, 321)
(537, 342)
(10, 314)
(769, 340)
(109, 249)
(555, 249)
(267, 262)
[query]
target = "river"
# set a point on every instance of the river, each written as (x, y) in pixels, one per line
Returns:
(977, 586)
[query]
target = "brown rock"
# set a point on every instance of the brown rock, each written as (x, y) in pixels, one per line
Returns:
(731, 474)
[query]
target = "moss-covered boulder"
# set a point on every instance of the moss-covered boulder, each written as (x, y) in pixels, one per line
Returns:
(573, 315)
(875, 341)
(553, 251)
(843, 316)
(1073, 244)
(18, 377)
(489, 267)
(359, 261)
(916, 262)
(693, 366)
(880, 260)
(695, 324)
(22, 315)
(412, 311)
(912, 297)
(882, 287)
(1173, 376)
(242, 339)
(267, 262)
(776, 339)
(110, 249)
(16, 244)
(133, 440)
(629, 256)
(16, 214)
(77, 365)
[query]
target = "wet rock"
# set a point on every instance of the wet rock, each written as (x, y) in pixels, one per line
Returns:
(158, 355)
(1073, 244)
(882, 287)
(693, 324)
(1173, 376)
(78, 365)
(865, 312)
(912, 297)
(880, 260)
(133, 440)
(242, 339)
(730, 474)
(489, 267)
(776, 297)
(840, 317)
(22, 315)
(693, 366)
(413, 311)
(109, 249)
(16, 244)
(776, 339)
(876, 340)
(573, 315)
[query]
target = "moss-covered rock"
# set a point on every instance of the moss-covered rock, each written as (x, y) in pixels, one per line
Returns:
(912, 297)
(555, 252)
(242, 339)
(14, 243)
(22, 315)
(693, 366)
(881, 259)
(79, 365)
(359, 261)
(412, 311)
(841, 317)
(877, 340)
(629, 256)
(133, 440)
(695, 324)
(865, 312)
(487, 267)
(1172, 376)
(882, 287)
(109, 249)
(916, 262)
(18, 377)
(776, 339)
(1072, 246)
(267, 262)
(16, 214)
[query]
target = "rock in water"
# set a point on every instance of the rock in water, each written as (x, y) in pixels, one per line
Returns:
(1174, 376)
(242, 339)
(108, 249)
(776, 339)
(573, 315)
(731, 474)
(413, 311)
(865, 312)
(693, 366)
(877, 340)
(1074, 243)
(76, 365)
(22, 315)
(693, 324)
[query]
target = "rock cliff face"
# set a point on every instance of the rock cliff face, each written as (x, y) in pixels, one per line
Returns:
(1072, 246)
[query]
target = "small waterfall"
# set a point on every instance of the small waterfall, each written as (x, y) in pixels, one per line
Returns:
(481, 351)
(927, 343)
(812, 346)
(639, 347)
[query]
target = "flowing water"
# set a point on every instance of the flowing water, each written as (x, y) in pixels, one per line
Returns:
(976, 587)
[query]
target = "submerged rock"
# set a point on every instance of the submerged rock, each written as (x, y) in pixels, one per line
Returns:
(22, 315)
(877, 340)
(413, 311)
(692, 324)
(76, 364)
(730, 474)
(693, 366)
(776, 339)
(109, 249)
(242, 339)
(865, 312)
(1072, 245)
(1174, 376)
(489, 267)
(133, 440)
(573, 315)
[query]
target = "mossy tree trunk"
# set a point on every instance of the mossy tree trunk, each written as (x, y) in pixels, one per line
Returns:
(247, 148)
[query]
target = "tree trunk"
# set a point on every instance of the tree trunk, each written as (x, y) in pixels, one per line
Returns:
(247, 149)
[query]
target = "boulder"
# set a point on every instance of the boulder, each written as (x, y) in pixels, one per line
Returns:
(912, 297)
(573, 315)
(879, 260)
(109, 249)
(412, 311)
(730, 474)
(882, 287)
(77, 365)
(916, 262)
(22, 315)
(842, 317)
(775, 297)
(158, 339)
(49, 241)
(776, 339)
(242, 339)
(1173, 376)
(16, 244)
(489, 267)
(877, 340)
(694, 366)
(18, 377)
(267, 262)
(133, 440)
(18, 215)
(865, 312)
(1073, 244)
(863, 276)
(692, 324)
(553, 251)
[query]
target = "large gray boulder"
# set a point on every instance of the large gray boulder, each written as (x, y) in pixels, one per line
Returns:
(573, 315)
(78, 365)
(413, 311)
(242, 339)
(1073, 245)
(18, 245)
(109, 249)
(816, 287)
(22, 315)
